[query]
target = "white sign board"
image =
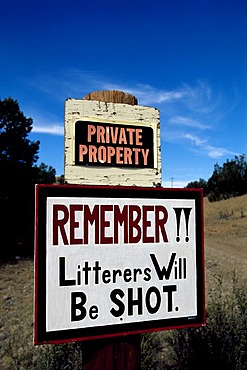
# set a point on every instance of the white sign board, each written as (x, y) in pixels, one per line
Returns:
(116, 260)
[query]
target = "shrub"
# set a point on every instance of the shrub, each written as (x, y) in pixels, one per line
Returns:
(152, 351)
(222, 343)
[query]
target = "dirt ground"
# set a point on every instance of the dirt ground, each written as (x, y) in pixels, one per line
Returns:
(225, 227)
(16, 312)
(225, 251)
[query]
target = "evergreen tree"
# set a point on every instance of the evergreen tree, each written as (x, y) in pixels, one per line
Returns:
(44, 174)
(14, 129)
(18, 154)
(228, 180)
(201, 184)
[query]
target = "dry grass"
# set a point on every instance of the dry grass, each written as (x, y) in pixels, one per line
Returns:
(226, 238)
(225, 251)
(16, 313)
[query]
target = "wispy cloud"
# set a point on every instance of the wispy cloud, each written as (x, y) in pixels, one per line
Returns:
(197, 98)
(186, 111)
(49, 129)
(211, 151)
(46, 124)
(187, 121)
(149, 95)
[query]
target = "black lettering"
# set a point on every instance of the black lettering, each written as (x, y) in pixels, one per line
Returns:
(153, 290)
(127, 275)
(86, 269)
(78, 306)
(114, 297)
(147, 273)
(165, 272)
(116, 273)
(169, 289)
(134, 302)
(62, 279)
(137, 271)
(93, 312)
(96, 268)
(106, 276)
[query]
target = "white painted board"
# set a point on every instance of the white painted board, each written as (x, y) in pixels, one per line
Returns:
(119, 259)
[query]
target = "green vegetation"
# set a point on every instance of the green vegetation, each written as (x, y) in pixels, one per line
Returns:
(15, 147)
(226, 181)
(222, 343)
(19, 173)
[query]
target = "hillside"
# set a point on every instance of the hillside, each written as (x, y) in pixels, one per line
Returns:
(225, 227)
(225, 251)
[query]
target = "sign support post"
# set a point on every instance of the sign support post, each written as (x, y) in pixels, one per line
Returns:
(122, 352)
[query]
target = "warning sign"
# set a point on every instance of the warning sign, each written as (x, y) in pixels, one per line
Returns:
(115, 260)
(121, 139)
(105, 144)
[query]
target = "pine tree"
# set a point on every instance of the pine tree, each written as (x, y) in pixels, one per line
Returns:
(15, 146)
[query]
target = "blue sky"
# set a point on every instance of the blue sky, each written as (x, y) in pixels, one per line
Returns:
(186, 58)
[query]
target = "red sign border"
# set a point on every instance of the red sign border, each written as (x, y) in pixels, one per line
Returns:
(41, 336)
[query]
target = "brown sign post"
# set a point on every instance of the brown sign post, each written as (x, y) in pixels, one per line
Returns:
(112, 136)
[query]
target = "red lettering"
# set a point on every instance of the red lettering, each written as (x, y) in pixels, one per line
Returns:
(104, 224)
(122, 136)
(160, 223)
(134, 224)
(120, 218)
(102, 154)
(107, 135)
(110, 153)
(82, 151)
(131, 135)
(92, 155)
(138, 136)
(92, 218)
(74, 224)
(145, 156)
(100, 134)
(146, 223)
(91, 131)
(60, 223)
(119, 154)
(127, 156)
(114, 134)
(136, 151)
(109, 224)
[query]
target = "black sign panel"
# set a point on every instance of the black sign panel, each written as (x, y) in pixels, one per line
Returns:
(106, 144)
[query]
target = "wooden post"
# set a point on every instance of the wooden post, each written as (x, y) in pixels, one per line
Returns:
(112, 96)
(120, 109)
(118, 353)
